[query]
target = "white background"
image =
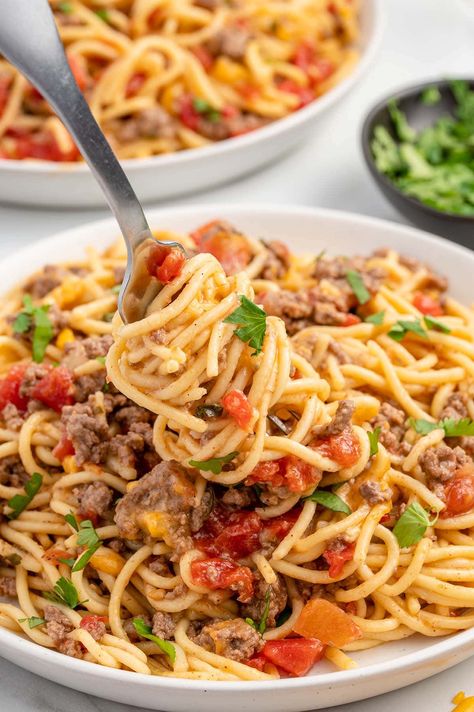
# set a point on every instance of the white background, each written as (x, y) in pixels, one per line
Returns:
(423, 39)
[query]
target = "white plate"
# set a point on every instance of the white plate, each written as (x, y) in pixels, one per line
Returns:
(71, 185)
(381, 669)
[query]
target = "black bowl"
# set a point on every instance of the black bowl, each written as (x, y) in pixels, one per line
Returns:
(459, 228)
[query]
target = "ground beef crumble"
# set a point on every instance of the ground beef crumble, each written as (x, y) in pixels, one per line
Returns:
(234, 639)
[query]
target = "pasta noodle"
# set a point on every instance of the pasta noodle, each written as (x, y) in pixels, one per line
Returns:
(166, 75)
(273, 465)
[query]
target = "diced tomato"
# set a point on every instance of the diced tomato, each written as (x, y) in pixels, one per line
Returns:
(294, 655)
(63, 448)
(258, 662)
(344, 448)
(220, 573)
(320, 71)
(427, 305)
(351, 319)
(89, 620)
(304, 94)
(337, 556)
(55, 389)
(236, 534)
(188, 113)
(278, 527)
(325, 621)
(88, 514)
(236, 404)
(204, 56)
(248, 91)
(5, 82)
(79, 73)
(165, 263)
(135, 83)
(229, 247)
(10, 388)
(289, 471)
(229, 111)
(459, 492)
(42, 146)
(304, 56)
(53, 555)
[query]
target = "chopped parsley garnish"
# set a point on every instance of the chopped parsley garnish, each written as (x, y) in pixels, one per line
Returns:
(452, 428)
(330, 501)
(215, 464)
(72, 521)
(434, 165)
(103, 14)
(412, 525)
(401, 328)
(262, 626)
(433, 323)
(358, 287)
(430, 96)
(146, 632)
(253, 323)
(19, 502)
(65, 7)
(206, 110)
(33, 621)
(101, 359)
(64, 592)
(36, 317)
(374, 440)
(209, 411)
(376, 318)
(88, 537)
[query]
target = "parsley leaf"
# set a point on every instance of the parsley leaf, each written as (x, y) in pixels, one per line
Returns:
(33, 622)
(401, 328)
(103, 14)
(65, 7)
(376, 318)
(207, 110)
(214, 464)
(72, 521)
(39, 319)
(452, 428)
(358, 287)
(64, 592)
(430, 96)
(412, 525)
(19, 502)
(433, 323)
(329, 500)
(251, 622)
(253, 321)
(146, 632)
(100, 359)
(262, 626)
(374, 440)
(87, 536)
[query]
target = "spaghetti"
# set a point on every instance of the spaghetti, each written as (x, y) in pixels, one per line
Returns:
(166, 75)
(274, 465)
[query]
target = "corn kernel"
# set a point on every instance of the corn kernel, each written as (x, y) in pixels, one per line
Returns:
(66, 336)
(229, 72)
(70, 465)
(107, 561)
(156, 524)
(68, 294)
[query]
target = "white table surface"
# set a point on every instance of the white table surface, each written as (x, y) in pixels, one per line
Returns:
(423, 39)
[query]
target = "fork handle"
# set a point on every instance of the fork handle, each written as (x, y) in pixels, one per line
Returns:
(41, 58)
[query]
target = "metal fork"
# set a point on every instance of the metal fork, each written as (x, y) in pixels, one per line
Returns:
(30, 41)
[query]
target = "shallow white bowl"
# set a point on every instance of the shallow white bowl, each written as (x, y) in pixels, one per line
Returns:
(381, 669)
(65, 185)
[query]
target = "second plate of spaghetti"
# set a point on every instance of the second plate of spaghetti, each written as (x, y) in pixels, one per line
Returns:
(265, 484)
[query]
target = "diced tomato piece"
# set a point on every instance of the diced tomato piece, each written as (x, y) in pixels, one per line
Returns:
(84, 514)
(233, 533)
(278, 527)
(188, 113)
(304, 94)
(5, 83)
(427, 305)
(289, 471)
(304, 56)
(10, 388)
(237, 405)
(63, 448)
(294, 655)
(344, 448)
(55, 389)
(258, 662)
(351, 319)
(204, 56)
(42, 146)
(220, 573)
(229, 247)
(53, 555)
(79, 73)
(325, 621)
(459, 492)
(249, 91)
(337, 556)
(165, 263)
(88, 620)
(135, 83)
(320, 71)
(229, 111)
